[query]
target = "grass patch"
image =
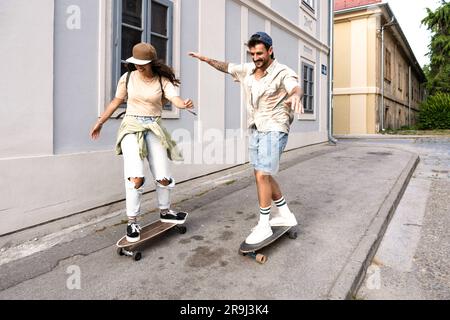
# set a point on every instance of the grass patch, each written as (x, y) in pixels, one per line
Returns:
(202, 193)
(230, 182)
(416, 132)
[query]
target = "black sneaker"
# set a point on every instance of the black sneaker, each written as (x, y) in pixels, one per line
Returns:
(173, 217)
(133, 232)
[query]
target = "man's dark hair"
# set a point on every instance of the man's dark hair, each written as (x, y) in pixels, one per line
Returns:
(253, 42)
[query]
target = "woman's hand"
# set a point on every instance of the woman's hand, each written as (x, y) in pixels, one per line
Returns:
(182, 104)
(114, 104)
(95, 132)
(188, 104)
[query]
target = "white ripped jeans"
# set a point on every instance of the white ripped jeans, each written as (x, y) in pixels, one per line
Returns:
(134, 168)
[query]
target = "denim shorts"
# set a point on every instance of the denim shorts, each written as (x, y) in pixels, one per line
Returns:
(265, 149)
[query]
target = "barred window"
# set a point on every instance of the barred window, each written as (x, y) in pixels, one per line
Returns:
(308, 87)
(142, 21)
(387, 65)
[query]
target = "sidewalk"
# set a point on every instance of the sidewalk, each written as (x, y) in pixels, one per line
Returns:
(342, 195)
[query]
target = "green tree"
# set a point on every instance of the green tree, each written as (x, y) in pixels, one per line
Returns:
(438, 71)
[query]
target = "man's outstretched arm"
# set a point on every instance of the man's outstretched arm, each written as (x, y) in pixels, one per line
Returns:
(219, 65)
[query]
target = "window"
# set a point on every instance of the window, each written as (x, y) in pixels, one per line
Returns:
(309, 3)
(387, 65)
(400, 78)
(142, 21)
(308, 87)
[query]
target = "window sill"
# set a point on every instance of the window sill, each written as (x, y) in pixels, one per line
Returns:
(307, 117)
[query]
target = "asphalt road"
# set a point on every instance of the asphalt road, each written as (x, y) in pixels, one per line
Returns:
(413, 260)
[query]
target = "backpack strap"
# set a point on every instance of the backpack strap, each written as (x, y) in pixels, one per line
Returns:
(162, 89)
(126, 85)
(128, 79)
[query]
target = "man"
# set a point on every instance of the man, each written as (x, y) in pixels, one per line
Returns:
(273, 93)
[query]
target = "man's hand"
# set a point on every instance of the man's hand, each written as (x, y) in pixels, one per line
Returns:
(219, 65)
(295, 101)
(198, 56)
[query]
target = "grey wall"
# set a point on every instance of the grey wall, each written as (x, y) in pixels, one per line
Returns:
(189, 66)
(287, 8)
(233, 54)
(76, 79)
(255, 23)
(285, 48)
(26, 81)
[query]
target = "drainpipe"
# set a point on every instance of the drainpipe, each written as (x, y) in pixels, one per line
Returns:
(382, 73)
(331, 139)
(409, 97)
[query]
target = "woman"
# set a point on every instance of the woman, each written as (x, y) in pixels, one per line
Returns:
(141, 134)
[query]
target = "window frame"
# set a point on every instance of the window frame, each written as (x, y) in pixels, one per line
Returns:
(310, 4)
(312, 82)
(146, 36)
(387, 65)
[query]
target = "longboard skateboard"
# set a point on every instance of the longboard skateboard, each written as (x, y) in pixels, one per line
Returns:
(251, 250)
(125, 248)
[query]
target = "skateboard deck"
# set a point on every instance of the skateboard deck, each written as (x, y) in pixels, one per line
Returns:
(252, 249)
(149, 231)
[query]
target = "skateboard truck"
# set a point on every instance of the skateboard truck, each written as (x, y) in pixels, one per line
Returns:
(252, 250)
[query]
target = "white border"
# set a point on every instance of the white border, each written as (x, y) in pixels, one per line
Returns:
(101, 90)
(308, 116)
(244, 49)
(176, 55)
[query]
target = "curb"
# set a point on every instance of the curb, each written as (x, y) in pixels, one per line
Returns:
(353, 273)
(383, 137)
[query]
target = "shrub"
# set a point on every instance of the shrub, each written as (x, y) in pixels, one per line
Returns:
(435, 112)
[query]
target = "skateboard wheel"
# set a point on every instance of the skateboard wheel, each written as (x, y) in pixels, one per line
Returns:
(137, 256)
(181, 230)
(260, 258)
(120, 252)
(292, 234)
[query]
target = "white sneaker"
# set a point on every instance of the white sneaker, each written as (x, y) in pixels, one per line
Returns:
(261, 232)
(284, 218)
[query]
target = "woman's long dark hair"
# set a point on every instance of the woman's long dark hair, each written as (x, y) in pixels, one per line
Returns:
(161, 69)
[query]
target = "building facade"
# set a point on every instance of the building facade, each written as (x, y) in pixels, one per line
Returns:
(64, 58)
(369, 42)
